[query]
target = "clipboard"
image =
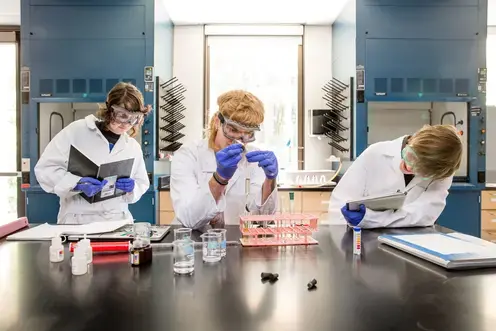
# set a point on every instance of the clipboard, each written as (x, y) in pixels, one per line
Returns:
(80, 165)
(379, 203)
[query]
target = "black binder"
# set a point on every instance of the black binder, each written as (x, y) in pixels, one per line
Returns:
(80, 165)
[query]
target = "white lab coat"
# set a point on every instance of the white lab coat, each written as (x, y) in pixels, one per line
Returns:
(51, 172)
(194, 206)
(377, 171)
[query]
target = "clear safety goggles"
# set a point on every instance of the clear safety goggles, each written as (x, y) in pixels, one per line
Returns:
(237, 131)
(410, 158)
(123, 116)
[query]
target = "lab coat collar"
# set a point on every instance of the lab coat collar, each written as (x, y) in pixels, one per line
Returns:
(91, 123)
(393, 147)
(392, 150)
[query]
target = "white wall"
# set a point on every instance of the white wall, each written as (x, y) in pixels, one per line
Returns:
(188, 59)
(317, 48)
(10, 12)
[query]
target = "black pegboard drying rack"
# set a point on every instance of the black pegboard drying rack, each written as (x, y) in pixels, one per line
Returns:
(335, 117)
(169, 98)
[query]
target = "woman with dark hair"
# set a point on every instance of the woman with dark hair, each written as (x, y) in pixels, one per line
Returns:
(108, 138)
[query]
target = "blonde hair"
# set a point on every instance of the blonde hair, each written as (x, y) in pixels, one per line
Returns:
(127, 96)
(239, 106)
(438, 149)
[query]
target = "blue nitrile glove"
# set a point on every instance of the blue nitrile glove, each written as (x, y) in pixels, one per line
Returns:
(353, 217)
(266, 160)
(90, 186)
(125, 184)
(228, 159)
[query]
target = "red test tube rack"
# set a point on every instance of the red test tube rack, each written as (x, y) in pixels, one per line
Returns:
(281, 229)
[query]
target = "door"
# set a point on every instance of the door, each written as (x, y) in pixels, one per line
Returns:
(11, 205)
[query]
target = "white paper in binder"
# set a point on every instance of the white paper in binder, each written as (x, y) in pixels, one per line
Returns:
(48, 231)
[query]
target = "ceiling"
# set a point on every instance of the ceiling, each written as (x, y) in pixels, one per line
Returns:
(253, 12)
(237, 11)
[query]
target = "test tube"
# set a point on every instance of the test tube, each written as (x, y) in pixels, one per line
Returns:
(291, 209)
(291, 202)
(357, 240)
(247, 197)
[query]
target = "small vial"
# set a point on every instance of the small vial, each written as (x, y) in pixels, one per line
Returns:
(56, 250)
(140, 253)
(357, 240)
(79, 261)
(86, 244)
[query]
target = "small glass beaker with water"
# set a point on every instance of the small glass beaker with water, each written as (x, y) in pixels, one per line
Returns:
(223, 242)
(143, 231)
(184, 256)
(182, 233)
(211, 247)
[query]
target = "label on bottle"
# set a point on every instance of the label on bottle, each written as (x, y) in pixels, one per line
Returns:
(56, 255)
(134, 258)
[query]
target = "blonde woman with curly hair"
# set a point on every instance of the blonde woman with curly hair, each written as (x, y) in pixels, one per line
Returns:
(208, 176)
(422, 165)
(103, 139)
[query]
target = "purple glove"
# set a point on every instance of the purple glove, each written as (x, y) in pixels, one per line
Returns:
(353, 217)
(125, 184)
(228, 159)
(266, 160)
(90, 186)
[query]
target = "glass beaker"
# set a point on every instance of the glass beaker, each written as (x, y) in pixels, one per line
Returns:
(184, 256)
(143, 231)
(182, 233)
(211, 247)
(223, 243)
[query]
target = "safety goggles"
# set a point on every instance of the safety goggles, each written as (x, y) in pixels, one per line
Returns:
(237, 131)
(410, 158)
(123, 116)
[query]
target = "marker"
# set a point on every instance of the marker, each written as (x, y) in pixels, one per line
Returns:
(357, 240)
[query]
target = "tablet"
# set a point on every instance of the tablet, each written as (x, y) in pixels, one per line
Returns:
(379, 203)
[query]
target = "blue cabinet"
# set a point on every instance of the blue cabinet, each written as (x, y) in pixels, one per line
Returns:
(462, 212)
(42, 207)
(145, 210)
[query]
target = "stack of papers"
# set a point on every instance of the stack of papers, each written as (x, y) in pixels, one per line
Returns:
(48, 231)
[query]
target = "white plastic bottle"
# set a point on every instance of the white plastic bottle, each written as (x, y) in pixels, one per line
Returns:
(86, 243)
(79, 261)
(56, 250)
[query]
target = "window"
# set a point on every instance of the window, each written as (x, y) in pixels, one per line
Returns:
(9, 186)
(267, 66)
